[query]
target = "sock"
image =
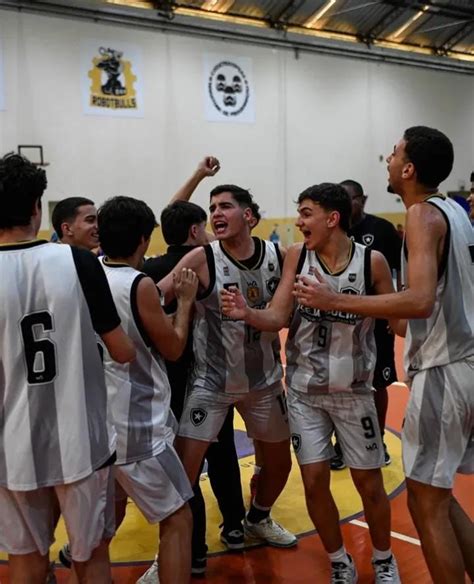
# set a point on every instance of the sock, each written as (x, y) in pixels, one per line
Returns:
(256, 469)
(340, 556)
(381, 555)
(257, 513)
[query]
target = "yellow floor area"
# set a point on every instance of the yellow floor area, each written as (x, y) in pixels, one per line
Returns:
(136, 540)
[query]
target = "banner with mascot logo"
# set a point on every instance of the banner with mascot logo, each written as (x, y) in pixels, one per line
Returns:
(111, 79)
(229, 92)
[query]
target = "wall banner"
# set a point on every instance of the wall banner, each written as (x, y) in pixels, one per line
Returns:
(111, 79)
(229, 92)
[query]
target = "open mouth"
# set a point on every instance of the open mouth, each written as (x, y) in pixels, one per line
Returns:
(219, 227)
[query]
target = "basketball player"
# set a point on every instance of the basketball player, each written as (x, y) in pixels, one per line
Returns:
(236, 364)
(75, 222)
(330, 362)
(55, 446)
(147, 469)
(183, 226)
(438, 301)
(376, 233)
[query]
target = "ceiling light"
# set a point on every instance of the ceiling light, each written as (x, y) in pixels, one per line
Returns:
(413, 19)
(319, 14)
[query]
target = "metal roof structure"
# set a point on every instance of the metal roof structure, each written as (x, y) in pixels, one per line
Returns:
(437, 34)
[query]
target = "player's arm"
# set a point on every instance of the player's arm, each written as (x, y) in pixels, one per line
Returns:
(196, 261)
(104, 316)
(382, 283)
(119, 345)
(209, 166)
(277, 313)
(425, 231)
(168, 337)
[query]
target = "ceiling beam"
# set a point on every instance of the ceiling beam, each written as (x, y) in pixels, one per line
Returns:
(456, 38)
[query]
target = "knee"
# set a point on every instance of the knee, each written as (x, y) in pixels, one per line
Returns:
(181, 520)
(370, 487)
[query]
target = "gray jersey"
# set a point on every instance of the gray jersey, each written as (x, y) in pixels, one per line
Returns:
(231, 356)
(448, 334)
(332, 351)
(139, 391)
(53, 400)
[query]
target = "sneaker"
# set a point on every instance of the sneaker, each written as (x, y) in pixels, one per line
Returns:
(65, 556)
(151, 575)
(342, 573)
(386, 571)
(51, 576)
(386, 454)
(253, 486)
(198, 566)
(271, 532)
(337, 461)
(233, 539)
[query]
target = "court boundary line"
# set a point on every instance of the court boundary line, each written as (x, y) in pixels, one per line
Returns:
(393, 534)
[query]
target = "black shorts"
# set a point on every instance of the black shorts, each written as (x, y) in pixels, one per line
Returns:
(385, 372)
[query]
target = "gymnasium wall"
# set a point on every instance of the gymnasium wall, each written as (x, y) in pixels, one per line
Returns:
(318, 118)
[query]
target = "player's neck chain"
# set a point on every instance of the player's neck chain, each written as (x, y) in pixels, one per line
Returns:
(343, 267)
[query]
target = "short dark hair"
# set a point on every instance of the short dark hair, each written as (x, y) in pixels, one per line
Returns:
(177, 219)
(243, 197)
(123, 221)
(331, 197)
(22, 184)
(431, 153)
(66, 211)
(354, 185)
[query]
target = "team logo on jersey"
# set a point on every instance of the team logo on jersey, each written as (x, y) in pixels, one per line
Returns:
(368, 239)
(198, 415)
(226, 270)
(352, 277)
(272, 284)
(311, 270)
(296, 441)
(386, 373)
(253, 292)
(271, 267)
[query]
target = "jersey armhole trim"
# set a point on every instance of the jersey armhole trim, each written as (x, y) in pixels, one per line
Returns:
(279, 256)
(211, 266)
(369, 287)
(301, 260)
(447, 241)
(135, 312)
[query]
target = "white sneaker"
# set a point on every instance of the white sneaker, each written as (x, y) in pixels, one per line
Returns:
(342, 573)
(386, 571)
(151, 575)
(271, 532)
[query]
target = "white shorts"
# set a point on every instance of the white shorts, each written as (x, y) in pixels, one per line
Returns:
(438, 431)
(313, 419)
(158, 486)
(264, 412)
(28, 518)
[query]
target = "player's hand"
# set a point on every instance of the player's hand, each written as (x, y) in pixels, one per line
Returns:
(314, 293)
(185, 285)
(233, 303)
(209, 166)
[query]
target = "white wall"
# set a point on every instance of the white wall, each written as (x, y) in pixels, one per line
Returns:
(318, 118)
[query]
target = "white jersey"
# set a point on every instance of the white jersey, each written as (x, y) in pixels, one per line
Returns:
(139, 391)
(231, 356)
(332, 351)
(53, 399)
(447, 335)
